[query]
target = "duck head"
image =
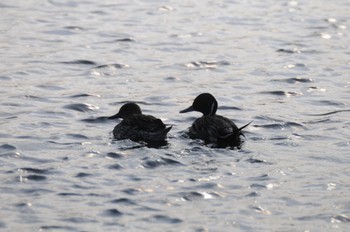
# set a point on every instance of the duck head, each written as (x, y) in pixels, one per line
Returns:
(204, 103)
(127, 110)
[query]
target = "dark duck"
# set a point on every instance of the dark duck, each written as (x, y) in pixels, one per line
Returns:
(139, 127)
(212, 128)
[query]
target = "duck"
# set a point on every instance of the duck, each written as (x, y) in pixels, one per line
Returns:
(137, 126)
(212, 128)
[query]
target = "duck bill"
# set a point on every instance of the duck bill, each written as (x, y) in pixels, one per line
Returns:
(114, 116)
(189, 109)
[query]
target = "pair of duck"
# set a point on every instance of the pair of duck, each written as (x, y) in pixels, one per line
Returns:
(212, 128)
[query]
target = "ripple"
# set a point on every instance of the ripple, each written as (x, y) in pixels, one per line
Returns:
(107, 69)
(299, 66)
(160, 162)
(315, 88)
(22, 205)
(257, 186)
(35, 177)
(210, 186)
(129, 145)
(36, 191)
(171, 79)
(78, 136)
(81, 107)
(37, 98)
(51, 87)
(114, 155)
(165, 8)
(84, 187)
(123, 201)
(281, 125)
(341, 218)
(115, 167)
(313, 217)
(252, 194)
(163, 219)
(5, 78)
(206, 64)
(84, 62)
(261, 210)
(192, 196)
(84, 95)
(101, 119)
(129, 39)
(288, 51)
(256, 161)
(328, 103)
(35, 170)
(83, 175)
(295, 80)
(7, 147)
(58, 143)
(147, 208)
(11, 154)
(74, 28)
(229, 108)
(112, 213)
(329, 113)
(131, 191)
(55, 228)
(107, 66)
(282, 93)
(260, 178)
(79, 220)
(69, 194)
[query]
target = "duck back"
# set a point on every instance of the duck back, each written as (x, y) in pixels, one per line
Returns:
(141, 127)
(216, 129)
(143, 122)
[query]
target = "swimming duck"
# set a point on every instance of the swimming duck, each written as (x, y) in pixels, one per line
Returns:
(137, 126)
(213, 128)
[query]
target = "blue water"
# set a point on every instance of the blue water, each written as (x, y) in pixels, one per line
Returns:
(282, 64)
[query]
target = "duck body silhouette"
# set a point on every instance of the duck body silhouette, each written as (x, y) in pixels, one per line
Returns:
(137, 126)
(213, 128)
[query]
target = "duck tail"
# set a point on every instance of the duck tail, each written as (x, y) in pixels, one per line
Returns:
(160, 135)
(233, 139)
(241, 128)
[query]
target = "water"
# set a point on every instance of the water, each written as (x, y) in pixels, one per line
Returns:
(283, 64)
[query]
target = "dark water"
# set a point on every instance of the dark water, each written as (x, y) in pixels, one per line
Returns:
(66, 65)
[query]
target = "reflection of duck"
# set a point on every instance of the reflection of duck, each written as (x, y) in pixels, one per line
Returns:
(213, 128)
(137, 126)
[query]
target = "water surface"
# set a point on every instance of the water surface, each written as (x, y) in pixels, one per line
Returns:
(283, 65)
